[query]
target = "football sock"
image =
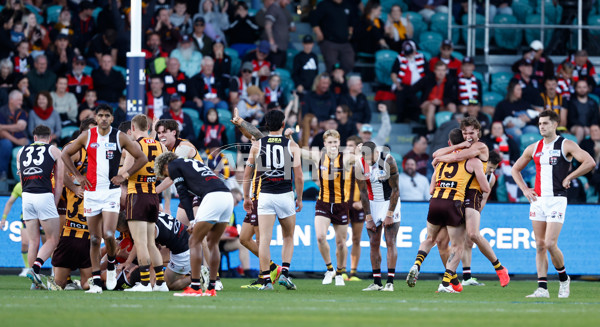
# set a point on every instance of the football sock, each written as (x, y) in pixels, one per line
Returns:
(211, 284)
(266, 277)
(69, 280)
(543, 282)
(272, 265)
(391, 273)
(195, 285)
(111, 263)
(339, 271)
(285, 269)
(447, 277)
(377, 276)
(497, 265)
(97, 279)
(454, 279)
(421, 255)
(329, 266)
(352, 272)
(562, 274)
(145, 275)
(160, 275)
(24, 255)
(37, 265)
(466, 273)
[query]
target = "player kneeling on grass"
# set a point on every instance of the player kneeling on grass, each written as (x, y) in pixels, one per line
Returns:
(192, 176)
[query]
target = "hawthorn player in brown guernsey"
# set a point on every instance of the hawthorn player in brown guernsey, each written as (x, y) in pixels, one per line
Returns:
(355, 213)
(143, 207)
(449, 184)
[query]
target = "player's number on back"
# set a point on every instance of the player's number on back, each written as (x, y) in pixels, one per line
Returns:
(29, 154)
(274, 156)
(205, 171)
(170, 222)
(152, 149)
(449, 169)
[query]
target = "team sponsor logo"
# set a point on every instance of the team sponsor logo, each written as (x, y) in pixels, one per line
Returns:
(32, 171)
(113, 205)
(178, 180)
(554, 153)
(94, 145)
(87, 210)
(447, 184)
(150, 141)
(110, 146)
(539, 154)
(274, 140)
(323, 168)
(532, 214)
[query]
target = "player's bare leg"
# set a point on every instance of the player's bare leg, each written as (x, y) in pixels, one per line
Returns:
(265, 225)
(138, 230)
(321, 228)
(442, 241)
(109, 226)
(457, 240)
(213, 237)
(155, 259)
(60, 276)
(390, 233)
(355, 251)
(246, 238)
(288, 225)
(175, 281)
(341, 251)
(375, 253)
(435, 233)
(85, 274)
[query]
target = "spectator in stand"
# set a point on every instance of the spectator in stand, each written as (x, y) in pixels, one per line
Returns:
(583, 68)
(102, 44)
(186, 128)
(180, 18)
(44, 114)
(164, 4)
(346, 125)
(332, 22)
(530, 86)
(86, 109)
(16, 34)
(357, 101)
(277, 26)
(22, 85)
(208, 88)
(273, 90)
(469, 87)
(552, 100)
(84, 27)
(108, 83)
(120, 112)
(408, 69)
(438, 93)
(413, 186)
(63, 26)
(189, 59)
(542, 64)
(309, 128)
(418, 153)
(79, 82)
(243, 31)
(474, 110)
(216, 18)
(339, 85)
(428, 8)
(454, 65)
(21, 60)
(261, 66)
(40, 78)
(64, 102)
(176, 82)
(157, 100)
(366, 130)
(37, 35)
(212, 130)
(169, 34)
(512, 112)
(368, 36)
(397, 28)
(6, 45)
(564, 77)
(7, 79)
(583, 111)
(320, 101)
(250, 107)
(222, 62)
(592, 144)
(60, 55)
(239, 85)
(155, 56)
(498, 141)
(203, 42)
(13, 128)
(306, 66)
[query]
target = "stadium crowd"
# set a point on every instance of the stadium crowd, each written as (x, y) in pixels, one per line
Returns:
(60, 58)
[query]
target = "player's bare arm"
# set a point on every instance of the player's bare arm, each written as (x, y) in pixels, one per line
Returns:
(586, 161)
(395, 195)
(478, 149)
(364, 197)
(135, 151)
(486, 195)
(250, 131)
(449, 149)
(298, 175)
(477, 167)
(432, 185)
(519, 165)
(59, 173)
(248, 172)
(68, 152)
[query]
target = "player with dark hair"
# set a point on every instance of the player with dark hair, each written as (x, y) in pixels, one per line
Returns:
(548, 199)
(36, 164)
(377, 177)
(103, 145)
(192, 176)
(355, 213)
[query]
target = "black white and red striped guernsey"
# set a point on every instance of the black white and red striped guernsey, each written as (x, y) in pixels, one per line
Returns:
(552, 167)
(104, 156)
(378, 186)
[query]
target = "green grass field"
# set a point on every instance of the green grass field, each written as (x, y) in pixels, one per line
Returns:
(312, 305)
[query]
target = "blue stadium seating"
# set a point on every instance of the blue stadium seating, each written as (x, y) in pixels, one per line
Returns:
(507, 38)
(479, 34)
(491, 98)
(500, 82)
(52, 14)
(442, 117)
(384, 60)
(521, 9)
(196, 121)
(533, 34)
(439, 24)
(529, 138)
(430, 42)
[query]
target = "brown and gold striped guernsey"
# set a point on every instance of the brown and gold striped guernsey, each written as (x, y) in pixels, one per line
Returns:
(354, 195)
(452, 180)
(255, 185)
(76, 223)
(144, 180)
(196, 156)
(334, 184)
(475, 184)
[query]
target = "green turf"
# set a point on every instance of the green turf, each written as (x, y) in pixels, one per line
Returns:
(311, 305)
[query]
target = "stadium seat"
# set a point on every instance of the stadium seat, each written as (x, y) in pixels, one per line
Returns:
(430, 42)
(67, 132)
(594, 21)
(426, 54)
(13, 162)
(88, 70)
(35, 10)
(52, 14)
(236, 62)
(413, 16)
(491, 99)
(224, 115)
(500, 82)
(480, 32)
(286, 80)
(196, 121)
(439, 24)
(442, 117)
(419, 27)
(384, 60)
(529, 138)
(291, 53)
(121, 70)
(484, 83)
(458, 55)
(522, 9)
(535, 34)
(570, 137)
(386, 5)
(551, 12)
(507, 38)
(232, 53)
(398, 158)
